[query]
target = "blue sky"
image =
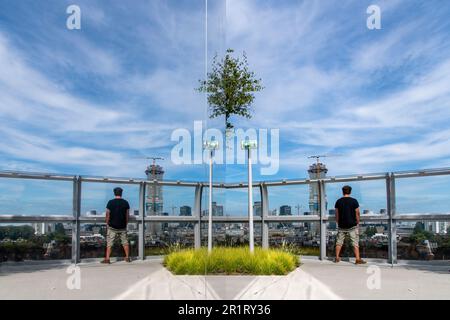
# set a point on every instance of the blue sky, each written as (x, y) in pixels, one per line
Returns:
(92, 101)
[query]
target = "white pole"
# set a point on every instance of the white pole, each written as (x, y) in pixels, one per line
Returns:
(210, 202)
(250, 201)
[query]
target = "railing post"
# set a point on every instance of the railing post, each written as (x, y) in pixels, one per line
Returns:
(323, 221)
(198, 216)
(141, 222)
(392, 224)
(76, 209)
(264, 215)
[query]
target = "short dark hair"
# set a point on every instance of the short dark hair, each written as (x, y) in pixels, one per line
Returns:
(118, 191)
(346, 189)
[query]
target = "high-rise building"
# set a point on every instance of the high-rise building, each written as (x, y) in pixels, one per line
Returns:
(154, 199)
(185, 211)
(316, 171)
(285, 210)
(257, 208)
(439, 227)
(217, 210)
(42, 228)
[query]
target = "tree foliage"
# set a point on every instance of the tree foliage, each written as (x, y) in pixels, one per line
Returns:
(230, 87)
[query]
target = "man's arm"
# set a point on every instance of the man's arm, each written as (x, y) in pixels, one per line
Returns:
(337, 216)
(357, 215)
(107, 216)
(127, 216)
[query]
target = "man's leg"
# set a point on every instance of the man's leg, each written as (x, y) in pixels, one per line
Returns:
(338, 252)
(339, 242)
(125, 244)
(108, 253)
(356, 251)
(126, 248)
(110, 236)
(354, 238)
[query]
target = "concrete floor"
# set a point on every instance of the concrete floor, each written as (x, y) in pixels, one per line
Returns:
(150, 280)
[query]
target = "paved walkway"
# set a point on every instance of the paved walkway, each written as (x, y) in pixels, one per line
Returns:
(150, 280)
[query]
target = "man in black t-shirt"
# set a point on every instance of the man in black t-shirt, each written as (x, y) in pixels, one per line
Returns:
(117, 212)
(347, 218)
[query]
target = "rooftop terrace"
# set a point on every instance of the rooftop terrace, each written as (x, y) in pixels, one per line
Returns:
(150, 280)
(411, 248)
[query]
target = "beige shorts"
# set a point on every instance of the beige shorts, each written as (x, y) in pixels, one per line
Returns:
(113, 233)
(353, 233)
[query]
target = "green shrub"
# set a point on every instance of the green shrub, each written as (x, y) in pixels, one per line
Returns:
(225, 260)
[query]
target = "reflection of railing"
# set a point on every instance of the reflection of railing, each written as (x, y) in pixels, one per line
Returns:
(322, 218)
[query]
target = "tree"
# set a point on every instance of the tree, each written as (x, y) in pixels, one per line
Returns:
(420, 234)
(371, 231)
(230, 87)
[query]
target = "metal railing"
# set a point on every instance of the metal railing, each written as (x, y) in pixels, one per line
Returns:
(322, 218)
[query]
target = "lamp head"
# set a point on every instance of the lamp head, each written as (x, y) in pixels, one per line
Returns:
(211, 145)
(249, 144)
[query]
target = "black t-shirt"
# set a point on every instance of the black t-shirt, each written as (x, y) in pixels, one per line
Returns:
(346, 207)
(118, 213)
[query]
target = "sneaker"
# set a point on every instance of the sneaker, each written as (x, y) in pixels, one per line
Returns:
(337, 260)
(360, 261)
(105, 261)
(128, 259)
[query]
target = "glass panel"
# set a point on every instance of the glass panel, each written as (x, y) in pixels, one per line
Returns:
(161, 237)
(35, 197)
(93, 241)
(231, 202)
(295, 200)
(370, 194)
(423, 240)
(95, 196)
(35, 241)
(170, 200)
(373, 240)
(218, 201)
(231, 234)
(301, 238)
(423, 195)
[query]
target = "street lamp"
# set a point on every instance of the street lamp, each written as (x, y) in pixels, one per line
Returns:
(211, 146)
(249, 145)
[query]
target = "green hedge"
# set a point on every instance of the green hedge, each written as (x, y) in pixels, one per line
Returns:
(226, 260)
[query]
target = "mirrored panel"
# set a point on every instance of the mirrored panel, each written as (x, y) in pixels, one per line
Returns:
(231, 234)
(293, 200)
(93, 239)
(35, 241)
(95, 196)
(371, 195)
(231, 202)
(373, 240)
(423, 240)
(423, 195)
(35, 197)
(169, 200)
(163, 237)
(302, 238)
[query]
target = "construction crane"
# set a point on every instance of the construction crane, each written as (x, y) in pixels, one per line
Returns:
(153, 167)
(317, 157)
